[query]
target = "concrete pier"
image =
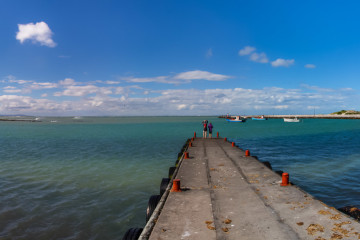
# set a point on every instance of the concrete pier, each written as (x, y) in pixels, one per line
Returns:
(227, 195)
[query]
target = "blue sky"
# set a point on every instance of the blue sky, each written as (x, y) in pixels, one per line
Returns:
(65, 58)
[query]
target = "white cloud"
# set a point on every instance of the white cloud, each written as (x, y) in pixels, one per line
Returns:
(67, 82)
(310, 66)
(12, 79)
(259, 57)
(80, 91)
(262, 58)
(181, 106)
(184, 77)
(177, 102)
(42, 85)
(11, 89)
(246, 50)
(37, 33)
(254, 56)
(282, 62)
(203, 75)
(94, 99)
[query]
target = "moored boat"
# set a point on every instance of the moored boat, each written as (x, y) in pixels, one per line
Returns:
(236, 119)
(262, 117)
(291, 119)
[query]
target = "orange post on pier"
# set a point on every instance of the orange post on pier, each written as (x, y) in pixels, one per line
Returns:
(285, 179)
(176, 186)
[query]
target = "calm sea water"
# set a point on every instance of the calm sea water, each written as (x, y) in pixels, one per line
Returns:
(91, 178)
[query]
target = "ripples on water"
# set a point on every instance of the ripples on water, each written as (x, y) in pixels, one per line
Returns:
(92, 179)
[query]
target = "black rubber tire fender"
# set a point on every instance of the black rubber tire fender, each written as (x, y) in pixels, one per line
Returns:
(171, 171)
(267, 164)
(153, 202)
(163, 185)
(132, 234)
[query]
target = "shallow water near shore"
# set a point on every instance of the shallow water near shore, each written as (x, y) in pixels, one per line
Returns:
(91, 178)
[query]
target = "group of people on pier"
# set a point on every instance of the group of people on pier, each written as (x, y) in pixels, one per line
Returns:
(206, 127)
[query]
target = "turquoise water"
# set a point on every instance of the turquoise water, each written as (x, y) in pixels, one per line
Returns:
(91, 178)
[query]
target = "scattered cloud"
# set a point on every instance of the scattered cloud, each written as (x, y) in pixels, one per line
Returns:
(246, 50)
(262, 58)
(259, 57)
(36, 33)
(67, 82)
(310, 66)
(11, 89)
(69, 97)
(254, 56)
(80, 91)
(282, 62)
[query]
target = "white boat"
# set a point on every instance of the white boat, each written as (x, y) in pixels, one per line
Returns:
(291, 119)
(236, 119)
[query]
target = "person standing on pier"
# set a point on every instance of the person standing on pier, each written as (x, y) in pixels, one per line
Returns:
(205, 122)
(210, 126)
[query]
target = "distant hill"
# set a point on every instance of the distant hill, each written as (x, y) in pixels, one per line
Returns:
(345, 112)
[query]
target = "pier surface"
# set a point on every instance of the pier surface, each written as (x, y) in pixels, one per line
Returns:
(226, 195)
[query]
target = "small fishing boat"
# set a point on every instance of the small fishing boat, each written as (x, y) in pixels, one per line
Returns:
(236, 119)
(259, 118)
(295, 119)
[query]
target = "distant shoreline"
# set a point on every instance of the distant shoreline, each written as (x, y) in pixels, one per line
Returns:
(316, 116)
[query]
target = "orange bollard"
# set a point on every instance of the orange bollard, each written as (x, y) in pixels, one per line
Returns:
(233, 144)
(194, 134)
(285, 179)
(247, 153)
(176, 186)
(225, 139)
(217, 134)
(190, 144)
(192, 139)
(186, 155)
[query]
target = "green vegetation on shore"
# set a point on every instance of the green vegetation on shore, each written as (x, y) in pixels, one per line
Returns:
(345, 112)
